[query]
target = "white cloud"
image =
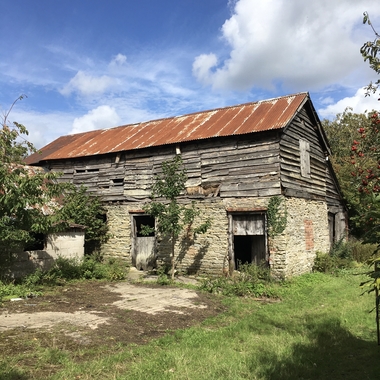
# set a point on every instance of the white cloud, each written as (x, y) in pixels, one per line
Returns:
(359, 104)
(118, 60)
(87, 84)
(43, 127)
(294, 44)
(202, 66)
(98, 118)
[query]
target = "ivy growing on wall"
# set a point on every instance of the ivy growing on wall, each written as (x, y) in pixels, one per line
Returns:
(277, 216)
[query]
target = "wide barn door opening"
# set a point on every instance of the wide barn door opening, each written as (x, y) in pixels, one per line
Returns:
(247, 239)
(143, 249)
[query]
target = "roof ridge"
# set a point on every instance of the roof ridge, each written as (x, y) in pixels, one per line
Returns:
(194, 113)
(240, 119)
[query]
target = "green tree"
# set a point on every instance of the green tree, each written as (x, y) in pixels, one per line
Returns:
(341, 132)
(171, 217)
(32, 200)
(366, 151)
(369, 51)
(79, 207)
(25, 192)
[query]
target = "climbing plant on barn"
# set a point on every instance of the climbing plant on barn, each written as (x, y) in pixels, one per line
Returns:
(277, 216)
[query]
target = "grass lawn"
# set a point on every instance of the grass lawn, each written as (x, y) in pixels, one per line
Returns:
(320, 329)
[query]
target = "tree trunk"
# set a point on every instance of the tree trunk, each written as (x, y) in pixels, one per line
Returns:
(172, 258)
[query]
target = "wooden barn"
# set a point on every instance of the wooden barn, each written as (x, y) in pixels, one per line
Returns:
(237, 159)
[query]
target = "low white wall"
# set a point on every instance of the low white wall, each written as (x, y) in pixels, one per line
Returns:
(63, 244)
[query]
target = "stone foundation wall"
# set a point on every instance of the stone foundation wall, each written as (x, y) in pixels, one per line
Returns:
(119, 223)
(205, 254)
(291, 253)
(294, 251)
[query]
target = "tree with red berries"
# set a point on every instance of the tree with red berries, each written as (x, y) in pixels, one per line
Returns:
(365, 158)
(366, 161)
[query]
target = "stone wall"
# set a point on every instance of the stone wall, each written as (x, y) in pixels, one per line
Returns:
(291, 253)
(204, 254)
(294, 251)
(200, 254)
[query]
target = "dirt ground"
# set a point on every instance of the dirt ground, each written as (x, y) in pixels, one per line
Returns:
(97, 313)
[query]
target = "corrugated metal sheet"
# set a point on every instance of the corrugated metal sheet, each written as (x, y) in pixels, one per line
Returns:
(236, 120)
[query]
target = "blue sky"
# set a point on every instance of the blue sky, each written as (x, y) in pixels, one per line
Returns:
(89, 64)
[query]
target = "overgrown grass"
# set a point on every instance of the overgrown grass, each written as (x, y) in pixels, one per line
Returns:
(250, 280)
(321, 329)
(344, 255)
(63, 270)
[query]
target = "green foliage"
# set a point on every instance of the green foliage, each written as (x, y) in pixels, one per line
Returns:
(369, 52)
(163, 277)
(24, 191)
(277, 216)
(341, 256)
(361, 252)
(89, 268)
(29, 198)
(327, 263)
(79, 207)
(171, 217)
(64, 270)
(341, 132)
(251, 280)
(171, 182)
(11, 290)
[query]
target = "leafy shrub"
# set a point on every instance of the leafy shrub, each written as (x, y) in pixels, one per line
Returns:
(251, 280)
(65, 270)
(341, 249)
(362, 253)
(12, 290)
(327, 263)
(163, 275)
(343, 254)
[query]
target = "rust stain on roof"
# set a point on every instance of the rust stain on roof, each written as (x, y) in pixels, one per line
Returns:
(235, 120)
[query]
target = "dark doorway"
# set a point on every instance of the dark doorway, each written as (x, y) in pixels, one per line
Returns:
(247, 239)
(249, 249)
(332, 232)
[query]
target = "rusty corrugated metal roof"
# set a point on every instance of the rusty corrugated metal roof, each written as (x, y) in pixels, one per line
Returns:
(235, 120)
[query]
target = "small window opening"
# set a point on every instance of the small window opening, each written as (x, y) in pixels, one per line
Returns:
(37, 242)
(144, 220)
(118, 181)
(92, 170)
(78, 171)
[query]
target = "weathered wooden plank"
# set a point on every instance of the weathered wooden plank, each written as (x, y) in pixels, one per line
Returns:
(235, 153)
(251, 193)
(249, 185)
(297, 178)
(302, 193)
(294, 147)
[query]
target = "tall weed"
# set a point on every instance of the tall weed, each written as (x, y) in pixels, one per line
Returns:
(250, 280)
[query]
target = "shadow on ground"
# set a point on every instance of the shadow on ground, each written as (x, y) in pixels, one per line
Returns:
(11, 374)
(334, 354)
